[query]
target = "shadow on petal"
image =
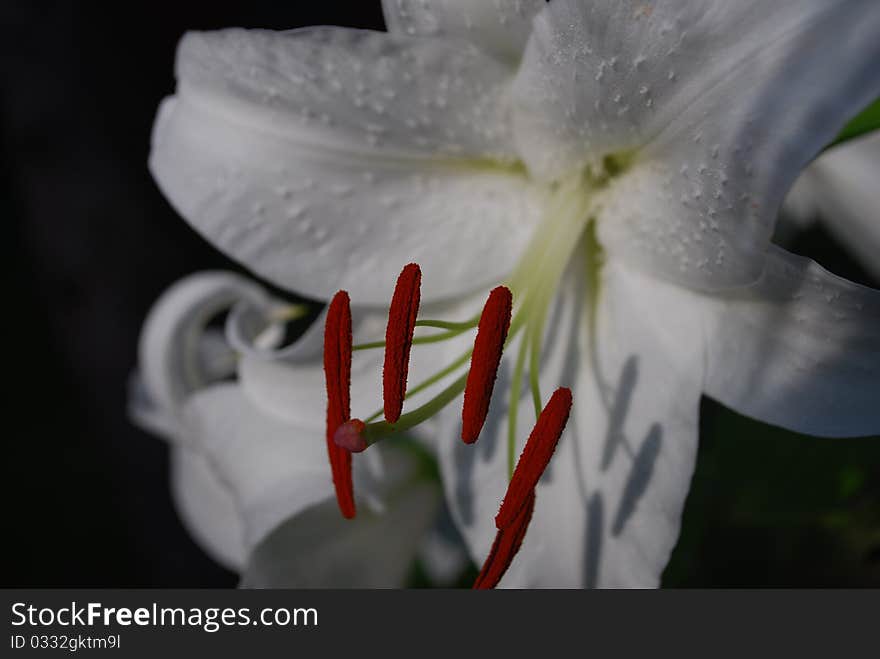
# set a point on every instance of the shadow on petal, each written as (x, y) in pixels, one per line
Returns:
(593, 541)
(614, 437)
(484, 451)
(640, 475)
(318, 548)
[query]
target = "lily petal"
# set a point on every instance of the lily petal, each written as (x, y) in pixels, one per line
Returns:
(799, 349)
(291, 385)
(176, 352)
(500, 28)
(840, 187)
(327, 159)
(270, 483)
(318, 548)
(608, 509)
(714, 108)
(206, 508)
(272, 470)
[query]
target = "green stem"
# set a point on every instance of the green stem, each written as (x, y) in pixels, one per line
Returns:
(535, 336)
(442, 324)
(368, 346)
(381, 429)
(515, 388)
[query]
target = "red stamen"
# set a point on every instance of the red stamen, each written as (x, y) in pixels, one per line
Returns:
(398, 339)
(506, 545)
(337, 373)
(491, 335)
(350, 436)
(535, 457)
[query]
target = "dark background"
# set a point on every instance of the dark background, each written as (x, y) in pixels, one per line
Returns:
(92, 243)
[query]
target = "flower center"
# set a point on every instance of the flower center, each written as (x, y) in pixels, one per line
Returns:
(520, 307)
(566, 227)
(532, 285)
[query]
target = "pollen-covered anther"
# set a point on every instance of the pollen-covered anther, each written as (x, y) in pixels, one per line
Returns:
(516, 510)
(535, 457)
(488, 346)
(337, 375)
(350, 436)
(504, 549)
(398, 339)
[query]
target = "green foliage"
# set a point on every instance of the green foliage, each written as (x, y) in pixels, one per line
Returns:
(866, 121)
(769, 507)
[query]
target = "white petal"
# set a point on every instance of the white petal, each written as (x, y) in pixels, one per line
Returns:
(318, 548)
(277, 482)
(146, 413)
(177, 354)
(800, 208)
(442, 554)
(799, 349)
(719, 105)
(273, 470)
(248, 324)
(206, 508)
(328, 158)
(841, 188)
(500, 28)
(608, 509)
(296, 392)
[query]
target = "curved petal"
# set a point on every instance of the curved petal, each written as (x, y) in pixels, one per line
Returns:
(840, 187)
(272, 470)
(499, 28)
(206, 508)
(258, 330)
(296, 393)
(608, 509)
(799, 349)
(144, 412)
(329, 158)
(318, 548)
(271, 482)
(714, 108)
(177, 354)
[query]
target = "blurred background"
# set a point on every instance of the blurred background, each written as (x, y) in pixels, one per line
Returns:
(93, 243)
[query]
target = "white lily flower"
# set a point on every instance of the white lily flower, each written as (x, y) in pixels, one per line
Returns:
(251, 485)
(618, 164)
(841, 188)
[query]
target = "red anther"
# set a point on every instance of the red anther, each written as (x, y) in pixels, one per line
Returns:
(491, 335)
(506, 545)
(535, 457)
(337, 374)
(350, 436)
(399, 338)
